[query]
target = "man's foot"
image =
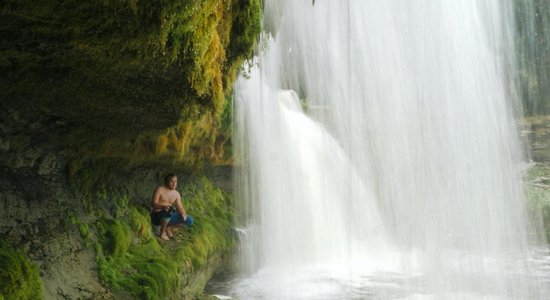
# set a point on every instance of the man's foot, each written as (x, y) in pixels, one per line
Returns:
(164, 237)
(169, 233)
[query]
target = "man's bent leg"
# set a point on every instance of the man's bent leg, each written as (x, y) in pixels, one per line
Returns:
(163, 229)
(169, 231)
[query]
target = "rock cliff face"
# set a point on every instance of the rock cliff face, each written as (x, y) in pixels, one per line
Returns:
(98, 100)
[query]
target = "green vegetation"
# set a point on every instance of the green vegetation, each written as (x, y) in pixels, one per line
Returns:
(190, 144)
(132, 260)
(19, 277)
(121, 73)
(84, 230)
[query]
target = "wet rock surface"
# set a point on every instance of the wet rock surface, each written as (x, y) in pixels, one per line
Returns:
(537, 178)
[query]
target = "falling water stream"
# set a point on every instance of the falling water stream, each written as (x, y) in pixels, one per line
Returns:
(379, 155)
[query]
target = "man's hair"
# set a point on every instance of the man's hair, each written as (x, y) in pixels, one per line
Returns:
(168, 177)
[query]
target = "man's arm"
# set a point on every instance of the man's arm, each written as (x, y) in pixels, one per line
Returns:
(181, 210)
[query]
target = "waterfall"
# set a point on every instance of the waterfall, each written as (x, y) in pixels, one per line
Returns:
(378, 154)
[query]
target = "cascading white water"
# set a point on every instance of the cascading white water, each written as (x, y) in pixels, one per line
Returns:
(403, 177)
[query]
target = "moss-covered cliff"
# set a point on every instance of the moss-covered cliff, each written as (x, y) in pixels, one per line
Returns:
(122, 70)
(98, 99)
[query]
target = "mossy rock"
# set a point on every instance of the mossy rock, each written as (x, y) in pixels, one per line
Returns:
(116, 238)
(537, 191)
(131, 260)
(19, 277)
(116, 69)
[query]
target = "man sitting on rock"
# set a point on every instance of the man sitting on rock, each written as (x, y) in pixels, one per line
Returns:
(163, 213)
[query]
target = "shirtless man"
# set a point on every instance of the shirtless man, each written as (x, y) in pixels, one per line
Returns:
(163, 199)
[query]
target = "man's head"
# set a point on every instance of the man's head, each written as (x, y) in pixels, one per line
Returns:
(171, 181)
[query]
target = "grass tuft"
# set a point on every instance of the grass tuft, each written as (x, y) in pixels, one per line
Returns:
(19, 277)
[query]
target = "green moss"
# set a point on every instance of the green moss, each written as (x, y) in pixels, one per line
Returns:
(140, 223)
(116, 238)
(19, 277)
(146, 271)
(213, 210)
(244, 34)
(121, 73)
(143, 269)
(130, 259)
(84, 230)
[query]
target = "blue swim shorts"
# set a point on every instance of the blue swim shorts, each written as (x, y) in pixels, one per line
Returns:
(176, 219)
